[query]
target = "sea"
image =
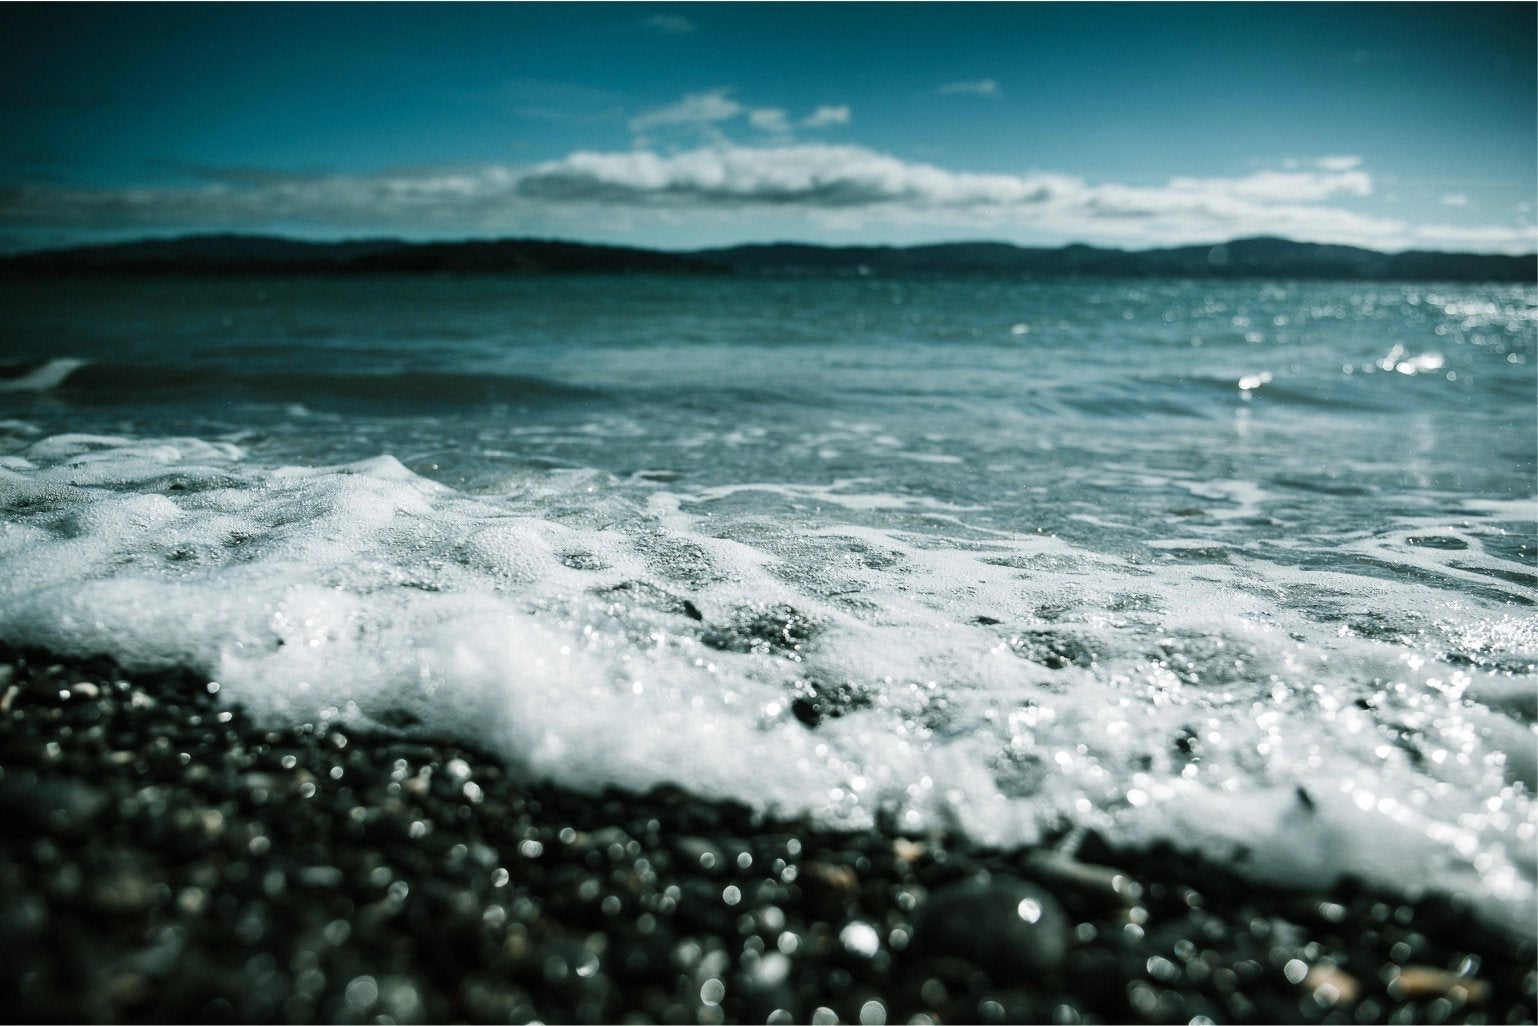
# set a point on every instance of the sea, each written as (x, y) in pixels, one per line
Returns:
(1243, 567)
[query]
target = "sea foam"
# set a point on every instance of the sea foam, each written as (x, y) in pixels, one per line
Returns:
(885, 657)
(43, 377)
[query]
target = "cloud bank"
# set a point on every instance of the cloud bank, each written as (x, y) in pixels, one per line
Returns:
(812, 185)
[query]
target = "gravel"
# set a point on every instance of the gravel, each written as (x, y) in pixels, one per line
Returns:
(164, 859)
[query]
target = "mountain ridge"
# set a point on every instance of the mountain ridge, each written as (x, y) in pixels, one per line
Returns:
(1258, 257)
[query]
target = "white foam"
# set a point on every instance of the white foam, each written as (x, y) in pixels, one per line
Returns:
(838, 493)
(49, 375)
(928, 457)
(995, 682)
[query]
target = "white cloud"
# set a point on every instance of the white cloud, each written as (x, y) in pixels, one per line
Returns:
(806, 175)
(825, 117)
(845, 176)
(696, 109)
(776, 121)
(809, 186)
(1455, 199)
(851, 186)
(383, 201)
(707, 112)
(979, 87)
(669, 24)
(772, 120)
(1489, 237)
(1281, 186)
(1340, 163)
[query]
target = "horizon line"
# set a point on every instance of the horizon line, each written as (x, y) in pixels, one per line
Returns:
(473, 239)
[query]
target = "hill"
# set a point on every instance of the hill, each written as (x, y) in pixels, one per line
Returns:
(1242, 258)
(262, 254)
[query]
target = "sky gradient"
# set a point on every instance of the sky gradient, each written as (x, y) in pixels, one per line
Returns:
(684, 125)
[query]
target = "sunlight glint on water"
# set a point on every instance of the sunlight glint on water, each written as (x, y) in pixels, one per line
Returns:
(1245, 566)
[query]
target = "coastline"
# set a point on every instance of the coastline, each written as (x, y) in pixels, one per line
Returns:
(166, 860)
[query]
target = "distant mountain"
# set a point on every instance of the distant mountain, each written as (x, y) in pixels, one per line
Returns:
(1242, 258)
(262, 254)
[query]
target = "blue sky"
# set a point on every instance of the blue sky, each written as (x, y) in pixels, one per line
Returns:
(687, 125)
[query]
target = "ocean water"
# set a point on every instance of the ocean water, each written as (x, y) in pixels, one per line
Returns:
(1249, 567)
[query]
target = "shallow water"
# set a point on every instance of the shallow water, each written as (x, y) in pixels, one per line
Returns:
(1249, 566)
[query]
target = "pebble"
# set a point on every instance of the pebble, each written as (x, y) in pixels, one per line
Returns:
(1332, 985)
(1112, 884)
(1014, 930)
(1418, 982)
(701, 853)
(841, 881)
(162, 858)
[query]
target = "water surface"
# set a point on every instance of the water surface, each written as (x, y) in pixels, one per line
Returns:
(1249, 565)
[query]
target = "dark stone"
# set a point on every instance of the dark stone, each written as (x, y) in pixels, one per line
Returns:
(1055, 650)
(644, 595)
(1188, 742)
(776, 629)
(50, 805)
(241, 881)
(583, 561)
(1014, 930)
(399, 719)
(805, 710)
(816, 700)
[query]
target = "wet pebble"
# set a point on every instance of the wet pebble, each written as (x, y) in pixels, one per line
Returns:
(1014, 930)
(184, 863)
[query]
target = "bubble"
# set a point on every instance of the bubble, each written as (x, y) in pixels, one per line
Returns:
(1188, 686)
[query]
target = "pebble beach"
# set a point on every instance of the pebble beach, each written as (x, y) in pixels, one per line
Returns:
(166, 860)
(786, 514)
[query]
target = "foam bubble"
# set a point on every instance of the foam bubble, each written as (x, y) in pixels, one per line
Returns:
(910, 661)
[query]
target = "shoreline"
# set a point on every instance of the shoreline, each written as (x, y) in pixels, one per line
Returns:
(166, 860)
